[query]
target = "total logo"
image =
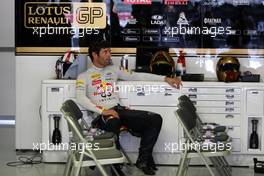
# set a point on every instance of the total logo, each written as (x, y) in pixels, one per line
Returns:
(142, 2)
(158, 20)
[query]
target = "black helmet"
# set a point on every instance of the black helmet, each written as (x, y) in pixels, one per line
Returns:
(162, 64)
(227, 69)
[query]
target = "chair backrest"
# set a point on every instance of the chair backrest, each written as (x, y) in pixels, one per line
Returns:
(73, 109)
(185, 102)
(186, 118)
(188, 105)
(71, 113)
(185, 98)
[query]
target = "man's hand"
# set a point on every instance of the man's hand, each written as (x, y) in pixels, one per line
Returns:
(174, 82)
(110, 112)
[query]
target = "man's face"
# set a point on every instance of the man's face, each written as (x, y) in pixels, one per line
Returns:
(104, 57)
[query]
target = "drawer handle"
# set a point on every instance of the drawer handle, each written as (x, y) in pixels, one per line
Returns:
(229, 109)
(229, 116)
(255, 92)
(192, 96)
(140, 93)
(230, 103)
(230, 128)
(55, 89)
(168, 88)
(193, 90)
(230, 90)
(230, 96)
(167, 94)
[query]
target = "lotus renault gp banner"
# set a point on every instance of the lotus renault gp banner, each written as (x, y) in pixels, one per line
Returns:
(59, 24)
(226, 24)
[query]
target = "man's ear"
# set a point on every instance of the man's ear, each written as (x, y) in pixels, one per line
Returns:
(95, 55)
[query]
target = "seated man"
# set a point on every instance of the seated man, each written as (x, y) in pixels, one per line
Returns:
(95, 92)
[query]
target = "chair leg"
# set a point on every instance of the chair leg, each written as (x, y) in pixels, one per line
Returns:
(205, 162)
(78, 168)
(226, 166)
(182, 163)
(115, 171)
(127, 157)
(68, 165)
(187, 166)
(217, 166)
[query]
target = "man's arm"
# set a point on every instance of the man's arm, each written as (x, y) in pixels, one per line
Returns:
(82, 99)
(135, 76)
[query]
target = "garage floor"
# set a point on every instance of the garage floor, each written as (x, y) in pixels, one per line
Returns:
(8, 154)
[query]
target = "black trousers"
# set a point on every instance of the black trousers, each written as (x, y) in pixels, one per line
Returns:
(146, 124)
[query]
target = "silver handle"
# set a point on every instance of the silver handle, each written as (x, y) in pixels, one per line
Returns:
(230, 128)
(229, 109)
(168, 94)
(168, 88)
(55, 89)
(140, 93)
(192, 96)
(230, 103)
(229, 116)
(193, 90)
(230, 96)
(230, 90)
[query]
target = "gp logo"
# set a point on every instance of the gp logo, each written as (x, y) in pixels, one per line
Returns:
(89, 15)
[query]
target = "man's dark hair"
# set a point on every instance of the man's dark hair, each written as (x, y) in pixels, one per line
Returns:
(97, 46)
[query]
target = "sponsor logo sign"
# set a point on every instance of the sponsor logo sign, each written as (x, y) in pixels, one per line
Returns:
(158, 20)
(142, 2)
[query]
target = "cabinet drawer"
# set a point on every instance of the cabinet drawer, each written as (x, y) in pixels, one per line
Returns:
(236, 145)
(234, 131)
(154, 99)
(206, 90)
(222, 119)
(226, 97)
(226, 103)
(229, 110)
(255, 100)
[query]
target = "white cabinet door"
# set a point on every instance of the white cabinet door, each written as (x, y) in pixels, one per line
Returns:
(255, 102)
(168, 138)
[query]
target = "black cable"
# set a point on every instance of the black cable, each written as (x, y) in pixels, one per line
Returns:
(25, 160)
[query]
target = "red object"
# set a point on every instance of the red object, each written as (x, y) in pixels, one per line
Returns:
(181, 59)
(181, 65)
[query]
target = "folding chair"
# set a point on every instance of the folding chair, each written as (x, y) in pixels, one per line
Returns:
(102, 134)
(217, 130)
(193, 138)
(87, 156)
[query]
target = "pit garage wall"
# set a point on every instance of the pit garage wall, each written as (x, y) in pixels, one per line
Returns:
(7, 59)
